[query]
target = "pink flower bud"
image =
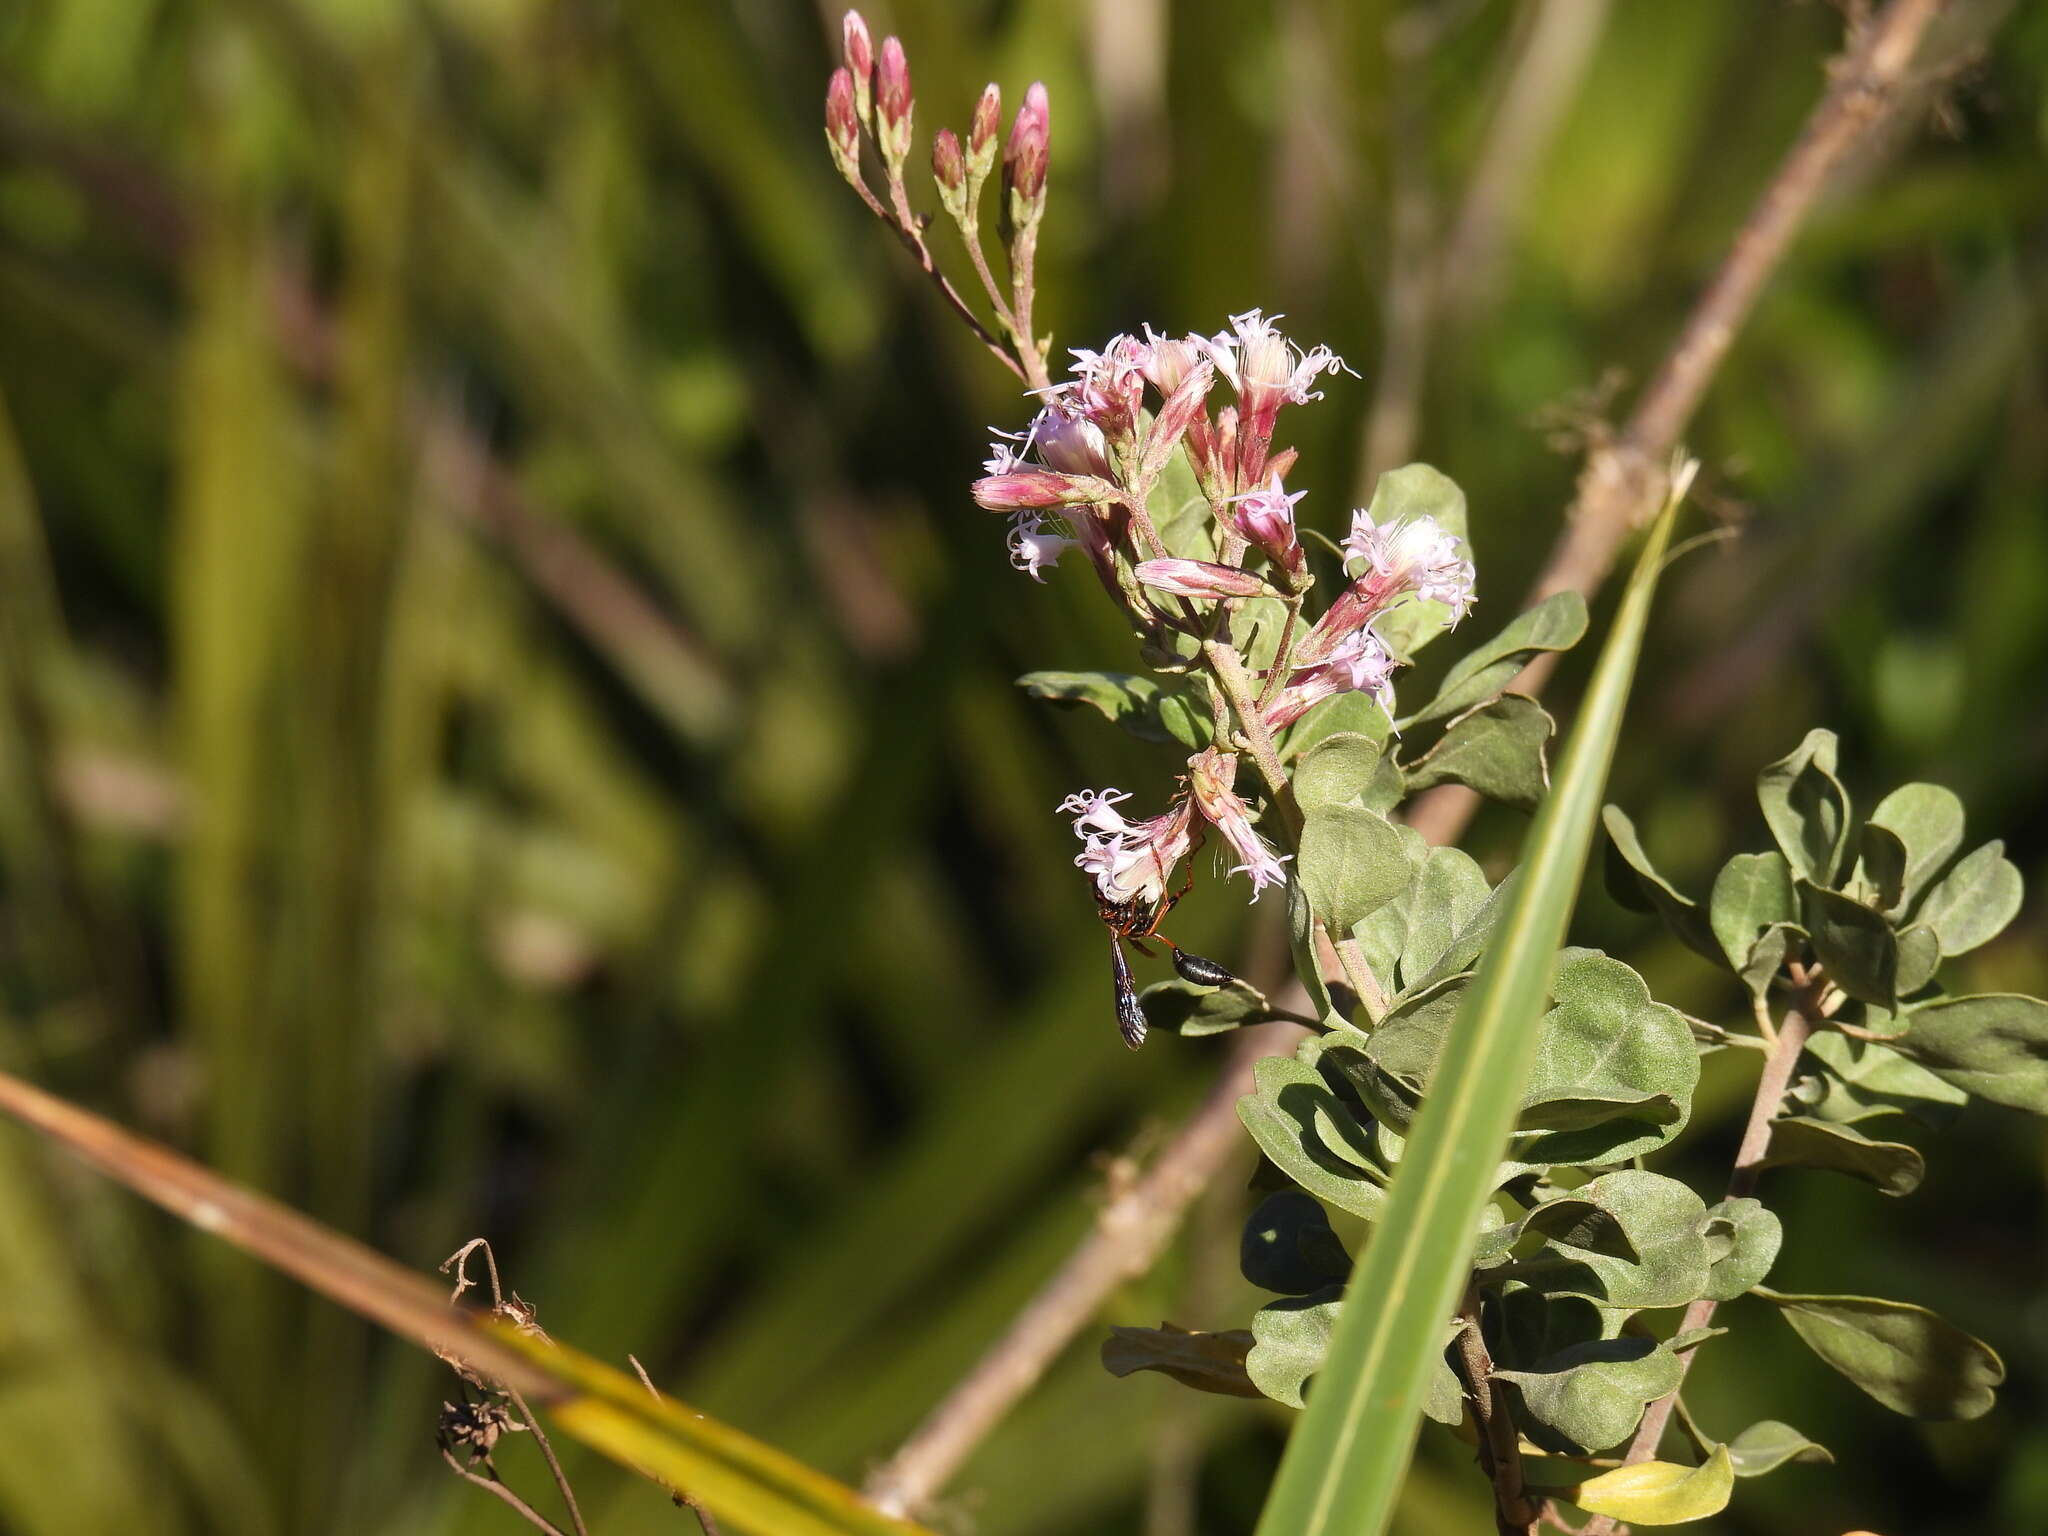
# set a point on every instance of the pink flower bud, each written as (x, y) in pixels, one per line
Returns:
(860, 61)
(1024, 157)
(1266, 517)
(948, 168)
(1176, 414)
(981, 132)
(893, 101)
(842, 125)
(1198, 578)
(1024, 490)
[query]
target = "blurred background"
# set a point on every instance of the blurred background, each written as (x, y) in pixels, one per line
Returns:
(508, 726)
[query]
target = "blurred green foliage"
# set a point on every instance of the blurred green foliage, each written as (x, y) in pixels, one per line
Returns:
(507, 720)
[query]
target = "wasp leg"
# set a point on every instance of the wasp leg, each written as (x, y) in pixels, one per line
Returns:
(1139, 944)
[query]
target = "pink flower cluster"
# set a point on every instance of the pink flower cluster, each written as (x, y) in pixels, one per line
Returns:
(1132, 862)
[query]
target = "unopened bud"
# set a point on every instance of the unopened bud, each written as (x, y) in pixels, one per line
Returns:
(1032, 490)
(1199, 579)
(893, 102)
(860, 63)
(1024, 157)
(981, 133)
(842, 126)
(949, 170)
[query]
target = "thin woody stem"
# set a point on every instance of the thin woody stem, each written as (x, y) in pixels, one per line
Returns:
(1500, 1451)
(1794, 1031)
(970, 236)
(1227, 667)
(547, 1448)
(910, 229)
(497, 1490)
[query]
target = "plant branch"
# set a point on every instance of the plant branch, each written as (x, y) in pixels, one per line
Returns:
(1500, 1448)
(498, 1490)
(547, 1451)
(1623, 478)
(1128, 1236)
(1776, 1077)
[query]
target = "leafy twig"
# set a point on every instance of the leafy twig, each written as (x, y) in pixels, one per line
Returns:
(497, 1490)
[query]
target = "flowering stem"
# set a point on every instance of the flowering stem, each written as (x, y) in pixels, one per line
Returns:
(1227, 667)
(1276, 675)
(911, 230)
(1372, 997)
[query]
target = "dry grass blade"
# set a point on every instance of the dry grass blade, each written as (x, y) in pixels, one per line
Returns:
(742, 1481)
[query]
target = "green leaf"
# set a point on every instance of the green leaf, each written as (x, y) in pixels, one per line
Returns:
(1974, 902)
(1633, 881)
(1184, 714)
(1863, 1080)
(1193, 1010)
(1767, 956)
(1347, 712)
(1495, 750)
(1417, 490)
(1593, 1394)
(1556, 624)
(1661, 1492)
(1614, 1071)
(1768, 1444)
(1406, 938)
(1928, 822)
(1335, 771)
(1892, 1166)
(1291, 1338)
(1806, 808)
(1312, 1136)
(1752, 893)
(1919, 958)
(1130, 699)
(1743, 1237)
(1344, 1465)
(1208, 1362)
(1471, 940)
(1994, 1046)
(1852, 942)
(1880, 868)
(1664, 1223)
(1904, 1356)
(1289, 1247)
(1352, 863)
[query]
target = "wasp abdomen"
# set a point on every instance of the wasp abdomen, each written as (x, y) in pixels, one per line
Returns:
(1203, 973)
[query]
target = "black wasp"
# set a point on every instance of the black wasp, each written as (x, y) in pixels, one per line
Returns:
(1137, 921)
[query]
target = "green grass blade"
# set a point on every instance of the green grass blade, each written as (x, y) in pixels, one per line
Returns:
(1346, 1461)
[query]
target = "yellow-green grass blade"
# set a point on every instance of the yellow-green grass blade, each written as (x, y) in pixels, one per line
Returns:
(747, 1484)
(1344, 1465)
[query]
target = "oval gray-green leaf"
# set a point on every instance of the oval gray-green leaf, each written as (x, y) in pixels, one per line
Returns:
(1919, 958)
(1634, 882)
(1768, 1445)
(1288, 1246)
(1556, 624)
(1853, 943)
(1352, 863)
(1908, 1358)
(1347, 712)
(1994, 1045)
(1928, 821)
(1881, 868)
(1663, 1221)
(1130, 699)
(1864, 1080)
(1192, 1010)
(1974, 901)
(1892, 1166)
(1752, 1234)
(1496, 750)
(1767, 956)
(1282, 1113)
(1593, 1394)
(1752, 893)
(1335, 771)
(1806, 807)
